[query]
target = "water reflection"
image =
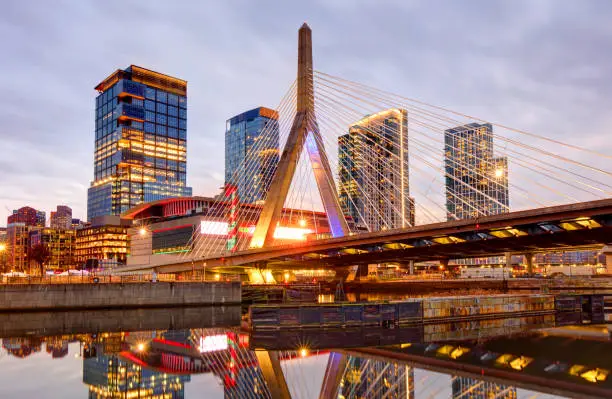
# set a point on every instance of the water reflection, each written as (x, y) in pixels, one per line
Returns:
(231, 363)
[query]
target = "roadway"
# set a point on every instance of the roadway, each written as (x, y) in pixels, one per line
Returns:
(580, 225)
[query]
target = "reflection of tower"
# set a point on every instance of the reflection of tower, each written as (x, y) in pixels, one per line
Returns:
(244, 378)
(366, 378)
(471, 388)
(57, 347)
(110, 376)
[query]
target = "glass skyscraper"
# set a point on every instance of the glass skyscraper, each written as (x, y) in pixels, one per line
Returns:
(373, 172)
(476, 180)
(251, 153)
(141, 141)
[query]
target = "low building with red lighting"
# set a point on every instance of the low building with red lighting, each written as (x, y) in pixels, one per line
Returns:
(179, 226)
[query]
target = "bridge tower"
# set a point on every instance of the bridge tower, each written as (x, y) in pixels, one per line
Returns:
(304, 133)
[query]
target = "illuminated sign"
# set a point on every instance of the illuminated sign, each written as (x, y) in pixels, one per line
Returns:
(212, 343)
(212, 228)
(291, 233)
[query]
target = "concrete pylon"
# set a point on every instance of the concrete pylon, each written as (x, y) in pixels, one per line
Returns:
(304, 133)
(273, 374)
(336, 366)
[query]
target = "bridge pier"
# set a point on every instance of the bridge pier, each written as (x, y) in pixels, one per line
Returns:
(273, 374)
(336, 366)
(607, 250)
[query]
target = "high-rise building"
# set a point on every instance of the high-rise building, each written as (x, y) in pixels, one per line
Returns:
(471, 388)
(61, 244)
(61, 218)
(28, 216)
(141, 141)
(251, 153)
(373, 172)
(476, 180)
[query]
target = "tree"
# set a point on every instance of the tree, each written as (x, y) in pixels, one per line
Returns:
(40, 253)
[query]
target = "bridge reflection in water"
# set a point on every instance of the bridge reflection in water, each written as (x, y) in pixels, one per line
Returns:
(481, 359)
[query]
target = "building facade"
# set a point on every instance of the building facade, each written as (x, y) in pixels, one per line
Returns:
(173, 227)
(61, 243)
(140, 141)
(373, 172)
(28, 216)
(476, 180)
(17, 244)
(252, 153)
(61, 218)
(103, 244)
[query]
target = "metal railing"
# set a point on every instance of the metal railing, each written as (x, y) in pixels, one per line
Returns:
(97, 279)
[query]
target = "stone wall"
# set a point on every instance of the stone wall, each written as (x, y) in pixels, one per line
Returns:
(120, 295)
(18, 324)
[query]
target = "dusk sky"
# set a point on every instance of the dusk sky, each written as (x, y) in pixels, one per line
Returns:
(539, 65)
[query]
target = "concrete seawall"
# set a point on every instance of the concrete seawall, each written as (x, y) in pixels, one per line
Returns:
(40, 297)
(19, 324)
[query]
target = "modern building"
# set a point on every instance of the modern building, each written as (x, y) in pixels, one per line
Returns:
(3, 249)
(17, 244)
(471, 388)
(252, 153)
(366, 378)
(140, 141)
(103, 244)
(476, 180)
(61, 218)
(61, 243)
(373, 172)
(172, 227)
(28, 216)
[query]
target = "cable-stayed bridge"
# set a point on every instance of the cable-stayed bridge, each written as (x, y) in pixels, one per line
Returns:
(399, 180)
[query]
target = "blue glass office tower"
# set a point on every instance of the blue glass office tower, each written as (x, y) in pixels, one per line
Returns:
(141, 141)
(251, 153)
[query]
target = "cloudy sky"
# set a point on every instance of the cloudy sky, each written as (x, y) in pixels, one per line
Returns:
(539, 65)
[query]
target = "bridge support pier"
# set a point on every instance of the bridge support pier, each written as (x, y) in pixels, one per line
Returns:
(273, 374)
(529, 261)
(336, 365)
(607, 250)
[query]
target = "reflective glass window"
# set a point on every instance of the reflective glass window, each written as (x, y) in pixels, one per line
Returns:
(150, 93)
(162, 96)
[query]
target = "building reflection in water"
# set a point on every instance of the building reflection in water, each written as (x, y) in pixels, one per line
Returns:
(111, 370)
(158, 364)
(366, 378)
(471, 388)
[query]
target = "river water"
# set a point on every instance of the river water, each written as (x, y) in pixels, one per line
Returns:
(511, 358)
